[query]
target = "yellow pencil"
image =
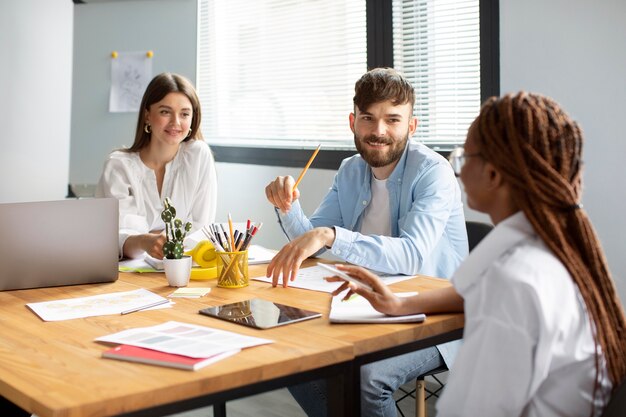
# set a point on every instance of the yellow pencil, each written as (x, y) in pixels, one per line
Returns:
(308, 164)
(232, 238)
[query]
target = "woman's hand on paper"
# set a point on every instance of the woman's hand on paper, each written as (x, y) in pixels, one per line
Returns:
(380, 296)
(281, 193)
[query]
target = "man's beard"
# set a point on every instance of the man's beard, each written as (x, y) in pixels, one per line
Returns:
(377, 159)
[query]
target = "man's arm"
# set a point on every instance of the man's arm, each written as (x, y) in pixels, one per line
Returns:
(305, 238)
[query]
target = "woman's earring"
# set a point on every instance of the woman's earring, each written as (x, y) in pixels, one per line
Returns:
(189, 134)
(146, 128)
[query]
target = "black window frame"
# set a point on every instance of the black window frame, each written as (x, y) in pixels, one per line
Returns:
(379, 27)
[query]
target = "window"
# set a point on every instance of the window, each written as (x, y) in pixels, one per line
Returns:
(280, 73)
(276, 77)
(436, 45)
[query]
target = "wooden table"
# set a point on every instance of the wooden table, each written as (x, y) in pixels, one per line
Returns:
(55, 369)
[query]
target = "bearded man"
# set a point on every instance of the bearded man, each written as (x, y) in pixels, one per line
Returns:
(395, 207)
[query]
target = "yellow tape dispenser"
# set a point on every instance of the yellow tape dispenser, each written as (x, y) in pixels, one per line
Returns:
(204, 255)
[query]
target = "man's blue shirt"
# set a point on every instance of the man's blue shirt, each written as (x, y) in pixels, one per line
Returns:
(427, 220)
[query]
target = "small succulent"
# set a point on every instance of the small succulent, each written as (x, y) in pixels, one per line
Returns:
(174, 232)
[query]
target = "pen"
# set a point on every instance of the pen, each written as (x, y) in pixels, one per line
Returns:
(225, 242)
(249, 236)
(158, 303)
(238, 238)
(216, 233)
(306, 167)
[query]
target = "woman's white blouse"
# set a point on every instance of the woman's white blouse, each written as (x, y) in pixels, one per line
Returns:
(190, 182)
(527, 345)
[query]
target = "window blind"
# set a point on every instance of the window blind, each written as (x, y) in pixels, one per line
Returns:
(436, 44)
(279, 73)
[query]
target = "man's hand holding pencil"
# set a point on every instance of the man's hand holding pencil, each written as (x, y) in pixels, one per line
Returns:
(281, 193)
(283, 190)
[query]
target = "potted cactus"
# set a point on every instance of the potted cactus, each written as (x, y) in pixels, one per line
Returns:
(177, 265)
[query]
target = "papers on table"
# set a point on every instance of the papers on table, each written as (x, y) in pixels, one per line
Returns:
(358, 310)
(190, 292)
(136, 265)
(312, 278)
(259, 255)
(96, 305)
(184, 339)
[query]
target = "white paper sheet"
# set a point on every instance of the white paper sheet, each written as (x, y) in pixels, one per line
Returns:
(130, 74)
(184, 339)
(259, 255)
(358, 310)
(96, 305)
(312, 278)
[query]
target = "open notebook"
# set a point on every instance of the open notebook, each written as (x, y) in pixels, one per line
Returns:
(358, 310)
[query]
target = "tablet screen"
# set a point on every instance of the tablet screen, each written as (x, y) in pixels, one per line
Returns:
(258, 313)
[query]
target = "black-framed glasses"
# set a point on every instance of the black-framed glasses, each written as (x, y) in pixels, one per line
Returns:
(458, 157)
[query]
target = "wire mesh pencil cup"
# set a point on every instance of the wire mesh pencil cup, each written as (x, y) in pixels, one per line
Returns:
(232, 269)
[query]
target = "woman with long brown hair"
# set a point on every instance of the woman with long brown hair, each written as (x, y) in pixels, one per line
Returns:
(545, 333)
(168, 158)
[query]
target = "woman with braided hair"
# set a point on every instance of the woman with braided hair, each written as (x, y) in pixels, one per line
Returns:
(545, 333)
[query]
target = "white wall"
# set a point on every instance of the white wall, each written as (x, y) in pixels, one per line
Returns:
(242, 193)
(35, 86)
(575, 52)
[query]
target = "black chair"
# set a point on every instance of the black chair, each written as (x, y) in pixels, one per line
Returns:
(617, 405)
(476, 231)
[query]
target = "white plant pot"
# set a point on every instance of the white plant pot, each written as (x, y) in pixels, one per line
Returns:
(177, 271)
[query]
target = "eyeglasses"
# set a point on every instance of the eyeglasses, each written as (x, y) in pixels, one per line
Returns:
(458, 157)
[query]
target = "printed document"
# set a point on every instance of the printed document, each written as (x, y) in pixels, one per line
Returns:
(96, 305)
(184, 339)
(312, 278)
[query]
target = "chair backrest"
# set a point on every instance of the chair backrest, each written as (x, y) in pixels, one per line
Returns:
(617, 405)
(476, 231)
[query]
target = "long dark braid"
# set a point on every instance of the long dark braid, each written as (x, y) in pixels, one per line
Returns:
(537, 148)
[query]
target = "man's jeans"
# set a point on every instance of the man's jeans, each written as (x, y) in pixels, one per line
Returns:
(379, 380)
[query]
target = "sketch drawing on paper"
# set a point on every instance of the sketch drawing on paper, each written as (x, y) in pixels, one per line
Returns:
(130, 74)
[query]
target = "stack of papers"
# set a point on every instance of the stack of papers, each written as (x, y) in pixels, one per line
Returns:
(154, 357)
(184, 339)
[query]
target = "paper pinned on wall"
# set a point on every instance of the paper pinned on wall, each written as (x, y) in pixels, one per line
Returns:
(130, 74)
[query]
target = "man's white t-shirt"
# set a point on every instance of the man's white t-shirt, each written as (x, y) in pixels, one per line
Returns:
(377, 218)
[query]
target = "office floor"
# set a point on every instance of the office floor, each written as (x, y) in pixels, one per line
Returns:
(280, 403)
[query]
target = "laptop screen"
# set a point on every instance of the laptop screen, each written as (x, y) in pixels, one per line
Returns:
(52, 243)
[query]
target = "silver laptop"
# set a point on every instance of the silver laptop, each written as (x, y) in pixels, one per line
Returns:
(52, 243)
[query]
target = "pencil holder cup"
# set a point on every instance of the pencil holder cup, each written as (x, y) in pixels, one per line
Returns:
(232, 269)
(177, 271)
